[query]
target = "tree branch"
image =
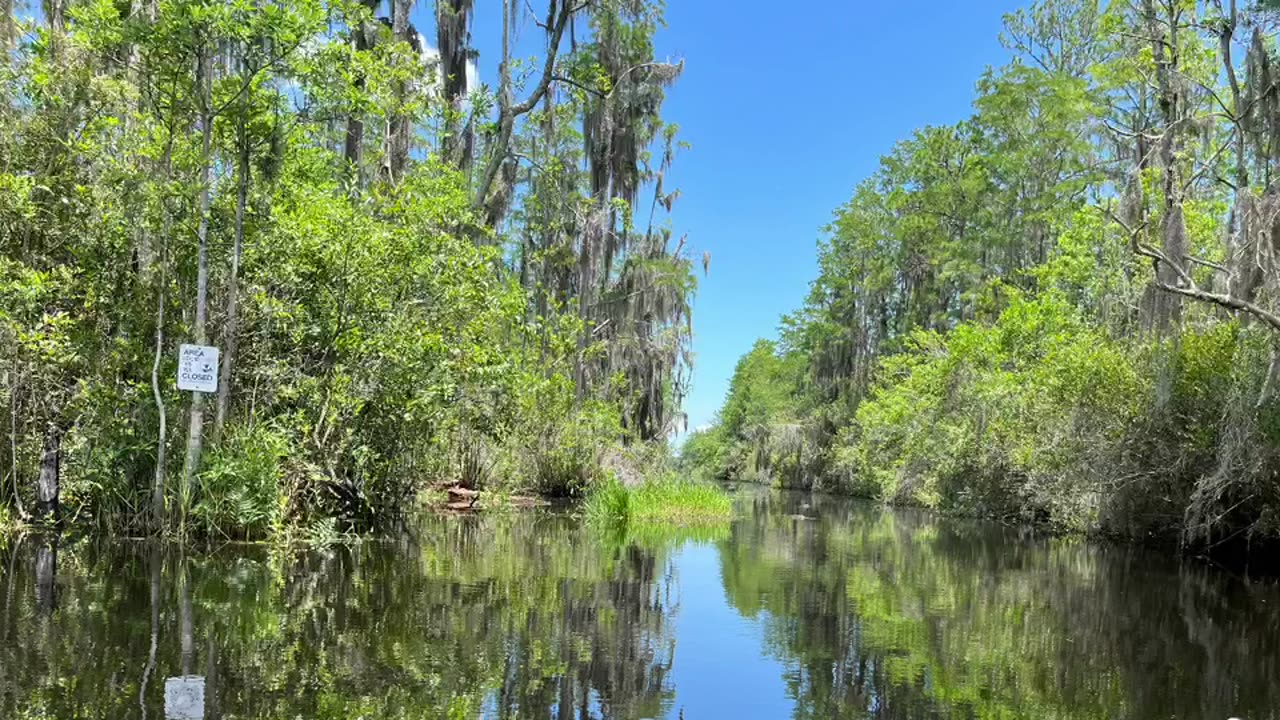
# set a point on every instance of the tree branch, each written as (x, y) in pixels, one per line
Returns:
(507, 114)
(570, 81)
(1225, 301)
(1206, 263)
(1189, 289)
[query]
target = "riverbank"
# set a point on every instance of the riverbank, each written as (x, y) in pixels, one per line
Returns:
(634, 485)
(1250, 556)
(354, 310)
(1038, 416)
(254, 490)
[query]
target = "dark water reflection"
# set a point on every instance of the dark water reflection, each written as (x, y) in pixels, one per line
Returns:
(804, 608)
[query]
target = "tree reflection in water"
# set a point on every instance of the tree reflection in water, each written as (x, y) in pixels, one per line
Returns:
(899, 614)
(506, 616)
(873, 613)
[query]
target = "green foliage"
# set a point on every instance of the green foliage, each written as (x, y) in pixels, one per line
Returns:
(1008, 419)
(663, 499)
(609, 502)
(243, 490)
(380, 321)
(704, 452)
(564, 460)
(7, 526)
(987, 332)
(760, 432)
(762, 389)
(284, 182)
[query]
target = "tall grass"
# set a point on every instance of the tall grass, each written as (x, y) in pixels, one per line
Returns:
(663, 500)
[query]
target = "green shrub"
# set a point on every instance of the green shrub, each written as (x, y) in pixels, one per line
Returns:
(1042, 416)
(554, 445)
(609, 501)
(704, 452)
(1015, 419)
(242, 492)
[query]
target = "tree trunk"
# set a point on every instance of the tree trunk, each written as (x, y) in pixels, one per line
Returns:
(396, 154)
(55, 13)
(586, 284)
(231, 328)
(47, 490)
(195, 432)
(47, 577)
(558, 18)
(162, 432)
(157, 481)
(1167, 307)
(1239, 111)
(452, 35)
(353, 150)
(6, 29)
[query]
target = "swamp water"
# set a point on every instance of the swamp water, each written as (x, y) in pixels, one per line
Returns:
(802, 607)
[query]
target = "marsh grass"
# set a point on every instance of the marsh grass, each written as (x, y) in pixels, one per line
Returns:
(664, 500)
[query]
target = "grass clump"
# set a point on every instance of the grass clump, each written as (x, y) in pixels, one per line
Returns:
(664, 500)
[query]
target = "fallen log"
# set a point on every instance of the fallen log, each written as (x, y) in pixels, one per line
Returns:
(461, 495)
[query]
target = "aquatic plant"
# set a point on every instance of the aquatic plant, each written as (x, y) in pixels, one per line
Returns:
(667, 499)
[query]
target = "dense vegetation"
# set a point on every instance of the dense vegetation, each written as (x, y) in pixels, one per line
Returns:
(1064, 308)
(413, 277)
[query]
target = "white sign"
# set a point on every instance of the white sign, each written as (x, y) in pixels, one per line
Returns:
(184, 698)
(198, 368)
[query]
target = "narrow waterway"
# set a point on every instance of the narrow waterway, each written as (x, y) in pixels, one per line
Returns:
(803, 607)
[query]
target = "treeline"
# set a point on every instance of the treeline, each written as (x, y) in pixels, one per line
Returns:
(1061, 309)
(413, 277)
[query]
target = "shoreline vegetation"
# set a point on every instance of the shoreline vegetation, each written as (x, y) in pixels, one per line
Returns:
(415, 280)
(1061, 310)
(668, 499)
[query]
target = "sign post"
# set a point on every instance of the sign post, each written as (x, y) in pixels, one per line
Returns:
(198, 368)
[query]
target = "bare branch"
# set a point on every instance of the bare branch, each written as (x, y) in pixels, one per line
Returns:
(1206, 263)
(570, 81)
(1189, 288)
(1226, 301)
(507, 113)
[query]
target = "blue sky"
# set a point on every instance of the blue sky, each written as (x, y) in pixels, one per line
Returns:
(788, 106)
